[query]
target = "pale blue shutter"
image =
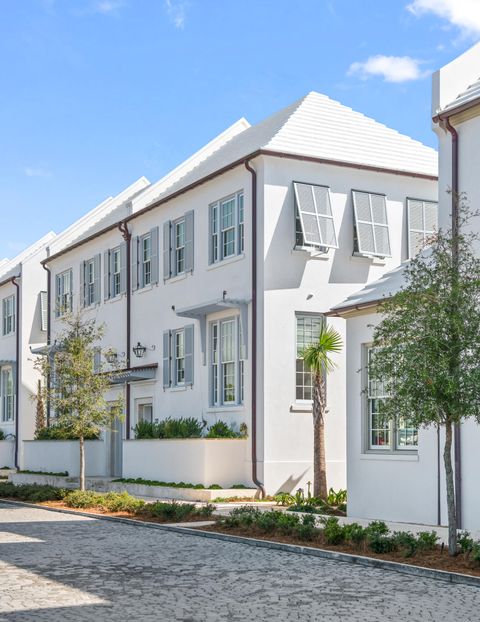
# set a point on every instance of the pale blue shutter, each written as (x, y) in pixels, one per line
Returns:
(97, 283)
(154, 254)
(70, 276)
(189, 235)
(43, 311)
(166, 358)
(135, 262)
(123, 267)
(106, 275)
(57, 294)
(189, 333)
(82, 284)
(167, 268)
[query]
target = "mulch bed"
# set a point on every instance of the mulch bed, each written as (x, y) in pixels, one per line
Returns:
(437, 559)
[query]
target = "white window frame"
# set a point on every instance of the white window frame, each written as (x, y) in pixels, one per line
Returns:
(64, 300)
(372, 223)
(218, 369)
(141, 403)
(375, 391)
(178, 247)
(426, 233)
(218, 232)
(116, 266)
(301, 235)
(8, 312)
(178, 342)
(305, 372)
(7, 394)
(89, 279)
(146, 259)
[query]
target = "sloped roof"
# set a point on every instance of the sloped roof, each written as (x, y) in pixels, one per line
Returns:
(10, 268)
(320, 127)
(465, 97)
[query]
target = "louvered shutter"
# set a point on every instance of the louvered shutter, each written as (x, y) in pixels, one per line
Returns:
(97, 280)
(82, 284)
(154, 254)
(371, 223)
(135, 242)
(166, 358)
(57, 295)
(315, 214)
(43, 311)
(189, 240)
(167, 268)
(189, 344)
(123, 267)
(107, 269)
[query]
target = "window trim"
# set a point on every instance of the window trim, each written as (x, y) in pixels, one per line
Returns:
(409, 229)
(114, 252)
(9, 301)
(61, 310)
(175, 223)
(323, 248)
(215, 235)
(144, 262)
(144, 401)
(7, 369)
(297, 314)
(372, 222)
(217, 401)
(174, 358)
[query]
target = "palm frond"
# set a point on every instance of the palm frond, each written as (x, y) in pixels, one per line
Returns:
(317, 356)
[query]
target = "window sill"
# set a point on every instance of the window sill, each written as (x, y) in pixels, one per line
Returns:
(375, 261)
(298, 407)
(146, 288)
(226, 262)
(115, 298)
(178, 277)
(313, 252)
(393, 455)
(177, 389)
(225, 409)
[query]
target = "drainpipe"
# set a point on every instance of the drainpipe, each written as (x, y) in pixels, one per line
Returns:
(127, 236)
(18, 361)
(455, 230)
(255, 479)
(49, 331)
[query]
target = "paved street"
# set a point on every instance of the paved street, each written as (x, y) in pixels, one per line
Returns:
(58, 567)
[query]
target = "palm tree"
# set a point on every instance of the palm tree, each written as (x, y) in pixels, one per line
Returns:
(317, 359)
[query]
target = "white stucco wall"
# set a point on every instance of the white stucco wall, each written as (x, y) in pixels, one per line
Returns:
(59, 456)
(6, 454)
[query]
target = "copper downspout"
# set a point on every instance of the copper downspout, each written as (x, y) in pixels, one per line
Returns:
(255, 479)
(18, 361)
(127, 236)
(49, 330)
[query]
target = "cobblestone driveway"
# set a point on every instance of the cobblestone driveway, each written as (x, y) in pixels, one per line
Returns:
(58, 567)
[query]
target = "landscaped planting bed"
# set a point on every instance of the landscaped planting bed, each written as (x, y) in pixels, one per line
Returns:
(110, 503)
(375, 540)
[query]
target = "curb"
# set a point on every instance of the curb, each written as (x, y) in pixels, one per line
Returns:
(360, 560)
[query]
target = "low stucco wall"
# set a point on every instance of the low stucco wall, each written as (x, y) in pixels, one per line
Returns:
(196, 461)
(58, 456)
(7, 450)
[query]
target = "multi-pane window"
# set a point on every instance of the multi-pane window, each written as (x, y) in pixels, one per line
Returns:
(8, 315)
(146, 259)
(7, 395)
(384, 434)
(314, 224)
(179, 357)
(89, 282)
(116, 272)
(372, 236)
(179, 248)
(308, 331)
(145, 412)
(227, 228)
(63, 293)
(227, 367)
(422, 223)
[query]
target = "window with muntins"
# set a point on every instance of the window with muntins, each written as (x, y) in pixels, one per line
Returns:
(8, 315)
(307, 333)
(178, 348)
(146, 260)
(116, 272)
(385, 435)
(179, 236)
(90, 280)
(372, 236)
(7, 395)
(227, 363)
(145, 412)
(179, 359)
(63, 298)
(422, 223)
(227, 228)
(314, 224)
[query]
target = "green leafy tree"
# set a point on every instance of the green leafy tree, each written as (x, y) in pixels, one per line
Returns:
(40, 410)
(318, 360)
(427, 346)
(77, 391)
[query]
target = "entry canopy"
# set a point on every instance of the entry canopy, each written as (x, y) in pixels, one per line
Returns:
(201, 311)
(134, 374)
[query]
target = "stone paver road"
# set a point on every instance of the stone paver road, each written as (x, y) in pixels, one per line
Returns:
(57, 567)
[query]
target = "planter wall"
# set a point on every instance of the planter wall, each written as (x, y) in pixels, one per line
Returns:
(196, 461)
(7, 450)
(58, 456)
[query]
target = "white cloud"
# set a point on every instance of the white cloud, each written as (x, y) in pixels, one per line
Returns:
(465, 14)
(390, 68)
(176, 11)
(37, 172)
(106, 7)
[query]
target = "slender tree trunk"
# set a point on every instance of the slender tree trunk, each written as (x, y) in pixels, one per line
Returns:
(82, 463)
(319, 462)
(452, 514)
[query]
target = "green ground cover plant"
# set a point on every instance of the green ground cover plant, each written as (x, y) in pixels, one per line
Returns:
(56, 474)
(186, 427)
(153, 482)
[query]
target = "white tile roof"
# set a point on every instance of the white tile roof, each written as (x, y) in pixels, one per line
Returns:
(321, 127)
(11, 267)
(470, 94)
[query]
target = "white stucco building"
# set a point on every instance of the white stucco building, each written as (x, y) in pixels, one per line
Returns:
(221, 273)
(393, 474)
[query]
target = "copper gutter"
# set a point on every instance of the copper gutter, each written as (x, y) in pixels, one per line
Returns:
(49, 332)
(127, 236)
(18, 361)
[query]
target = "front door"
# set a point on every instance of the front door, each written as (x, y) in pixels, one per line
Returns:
(115, 448)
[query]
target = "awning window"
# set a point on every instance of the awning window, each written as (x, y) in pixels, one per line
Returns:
(315, 214)
(371, 224)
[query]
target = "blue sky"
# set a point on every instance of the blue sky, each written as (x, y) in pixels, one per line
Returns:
(96, 93)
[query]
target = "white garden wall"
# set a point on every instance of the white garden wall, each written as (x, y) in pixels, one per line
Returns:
(7, 449)
(196, 461)
(57, 456)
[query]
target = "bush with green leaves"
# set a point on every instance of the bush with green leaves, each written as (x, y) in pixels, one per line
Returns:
(333, 532)
(2, 435)
(284, 498)
(355, 533)
(56, 432)
(220, 429)
(465, 542)
(427, 540)
(31, 492)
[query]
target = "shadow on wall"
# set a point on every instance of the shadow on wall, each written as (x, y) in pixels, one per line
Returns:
(36, 333)
(291, 483)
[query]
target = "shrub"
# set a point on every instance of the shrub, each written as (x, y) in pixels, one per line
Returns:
(57, 432)
(307, 529)
(171, 511)
(83, 499)
(465, 542)
(377, 527)
(121, 502)
(475, 552)
(145, 429)
(427, 540)
(185, 427)
(333, 532)
(336, 498)
(31, 492)
(220, 429)
(284, 498)
(2, 435)
(355, 533)
(241, 517)
(406, 541)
